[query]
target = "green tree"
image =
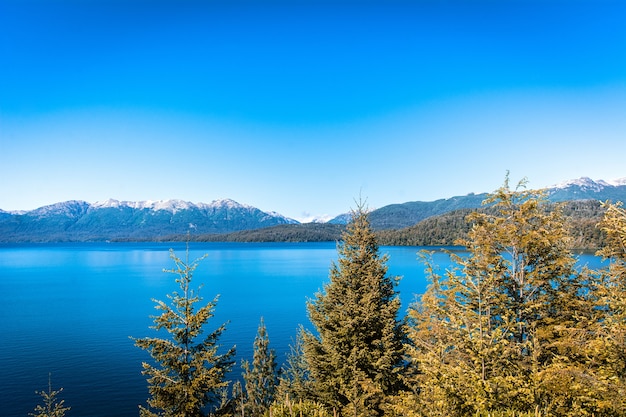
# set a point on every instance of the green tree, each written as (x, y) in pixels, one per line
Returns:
(355, 358)
(261, 377)
(502, 330)
(188, 373)
(52, 406)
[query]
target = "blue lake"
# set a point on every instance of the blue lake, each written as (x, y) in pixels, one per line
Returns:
(69, 309)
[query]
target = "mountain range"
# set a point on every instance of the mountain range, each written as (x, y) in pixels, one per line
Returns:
(398, 216)
(158, 220)
(113, 219)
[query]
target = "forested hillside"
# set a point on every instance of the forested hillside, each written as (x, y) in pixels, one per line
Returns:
(307, 232)
(581, 218)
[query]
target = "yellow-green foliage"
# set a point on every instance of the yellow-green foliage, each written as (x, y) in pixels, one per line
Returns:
(260, 376)
(511, 414)
(187, 372)
(301, 408)
(52, 405)
(514, 326)
(356, 358)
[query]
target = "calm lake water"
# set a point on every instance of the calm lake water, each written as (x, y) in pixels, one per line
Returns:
(69, 309)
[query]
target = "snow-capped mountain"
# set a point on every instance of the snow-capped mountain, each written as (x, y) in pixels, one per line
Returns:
(309, 218)
(585, 188)
(398, 216)
(172, 206)
(586, 183)
(152, 219)
(114, 219)
(71, 209)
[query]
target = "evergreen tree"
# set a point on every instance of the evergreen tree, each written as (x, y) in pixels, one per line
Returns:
(499, 331)
(189, 373)
(52, 406)
(356, 357)
(261, 378)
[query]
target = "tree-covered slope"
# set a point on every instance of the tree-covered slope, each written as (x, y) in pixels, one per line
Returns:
(307, 232)
(398, 216)
(581, 216)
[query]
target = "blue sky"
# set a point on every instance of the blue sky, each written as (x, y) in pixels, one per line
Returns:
(300, 107)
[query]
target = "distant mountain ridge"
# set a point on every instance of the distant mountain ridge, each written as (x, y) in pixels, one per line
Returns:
(585, 188)
(160, 219)
(112, 219)
(398, 216)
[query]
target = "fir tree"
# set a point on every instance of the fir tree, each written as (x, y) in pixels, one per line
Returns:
(52, 406)
(260, 378)
(189, 373)
(356, 357)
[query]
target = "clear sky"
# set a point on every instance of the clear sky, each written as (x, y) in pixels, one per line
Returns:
(300, 107)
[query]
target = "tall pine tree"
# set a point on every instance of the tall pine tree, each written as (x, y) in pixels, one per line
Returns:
(188, 373)
(355, 357)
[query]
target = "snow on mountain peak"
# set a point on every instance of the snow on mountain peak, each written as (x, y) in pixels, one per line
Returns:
(617, 182)
(172, 206)
(110, 203)
(167, 205)
(156, 205)
(310, 218)
(69, 208)
(587, 183)
(228, 203)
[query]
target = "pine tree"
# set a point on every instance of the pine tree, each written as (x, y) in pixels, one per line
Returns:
(189, 373)
(52, 406)
(261, 377)
(356, 357)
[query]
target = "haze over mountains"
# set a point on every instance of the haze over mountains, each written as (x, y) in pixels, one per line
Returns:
(145, 220)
